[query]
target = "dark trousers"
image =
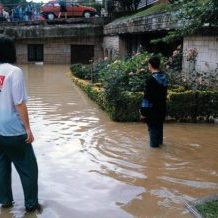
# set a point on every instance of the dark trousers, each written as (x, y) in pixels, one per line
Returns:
(13, 149)
(155, 130)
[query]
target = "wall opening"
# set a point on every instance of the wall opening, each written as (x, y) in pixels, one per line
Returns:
(82, 54)
(35, 52)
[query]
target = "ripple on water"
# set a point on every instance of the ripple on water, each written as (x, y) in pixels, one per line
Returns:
(91, 166)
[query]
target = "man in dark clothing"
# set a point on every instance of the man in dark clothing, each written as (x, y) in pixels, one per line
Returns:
(63, 9)
(155, 93)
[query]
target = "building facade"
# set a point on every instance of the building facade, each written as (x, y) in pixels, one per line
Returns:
(57, 44)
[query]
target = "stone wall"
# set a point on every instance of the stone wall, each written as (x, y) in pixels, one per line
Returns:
(123, 35)
(207, 47)
(151, 23)
(111, 46)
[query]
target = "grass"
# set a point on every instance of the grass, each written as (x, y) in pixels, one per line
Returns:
(152, 10)
(162, 7)
(209, 209)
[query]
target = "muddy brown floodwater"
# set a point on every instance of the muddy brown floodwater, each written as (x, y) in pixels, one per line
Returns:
(91, 167)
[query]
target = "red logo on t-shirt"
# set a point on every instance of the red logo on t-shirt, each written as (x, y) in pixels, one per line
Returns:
(2, 78)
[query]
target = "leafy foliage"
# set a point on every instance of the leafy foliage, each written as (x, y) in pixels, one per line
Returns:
(208, 209)
(193, 105)
(81, 71)
(120, 85)
(174, 67)
(192, 15)
(7, 2)
(158, 8)
(186, 106)
(12, 3)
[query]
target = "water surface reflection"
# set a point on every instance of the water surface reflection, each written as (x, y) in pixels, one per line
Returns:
(93, 167)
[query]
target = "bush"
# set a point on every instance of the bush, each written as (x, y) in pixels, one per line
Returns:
(208, 209)
(193, 105)
(207, 104)
(124, 109)
(177, 88)
(186, 106)
(182, 105)
(120, 84)
(81, 71)
(127, 108)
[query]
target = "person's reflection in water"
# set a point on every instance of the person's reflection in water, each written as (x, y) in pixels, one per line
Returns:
(30, 215)
(6, 213)
(9, 213)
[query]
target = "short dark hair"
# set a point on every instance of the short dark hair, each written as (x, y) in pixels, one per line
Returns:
(7, 50)
(154, 62)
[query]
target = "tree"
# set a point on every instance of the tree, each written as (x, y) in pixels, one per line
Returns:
(12, 3)
(192, 15)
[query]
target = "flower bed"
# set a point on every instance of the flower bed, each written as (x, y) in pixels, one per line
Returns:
(187, 106)
(117, 86)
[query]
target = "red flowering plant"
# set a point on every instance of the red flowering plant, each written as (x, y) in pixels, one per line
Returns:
(191, 54)
(174, 66)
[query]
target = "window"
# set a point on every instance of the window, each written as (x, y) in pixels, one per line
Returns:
(35, 52)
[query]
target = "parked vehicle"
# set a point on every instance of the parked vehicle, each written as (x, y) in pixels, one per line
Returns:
(51, 10)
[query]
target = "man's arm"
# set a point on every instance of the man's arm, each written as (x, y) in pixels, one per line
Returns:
(23, 113)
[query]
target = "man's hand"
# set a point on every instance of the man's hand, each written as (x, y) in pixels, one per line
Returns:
(30, 137)
(23, 113)
(142, 118)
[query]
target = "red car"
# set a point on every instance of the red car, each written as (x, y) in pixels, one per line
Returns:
(51, 10)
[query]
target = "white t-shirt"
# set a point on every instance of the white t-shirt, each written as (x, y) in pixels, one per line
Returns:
(12, 92)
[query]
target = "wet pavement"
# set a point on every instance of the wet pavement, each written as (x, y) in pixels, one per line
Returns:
(92, 167)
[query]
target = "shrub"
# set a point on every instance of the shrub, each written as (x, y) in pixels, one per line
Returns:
(120, 84)
(207, 104)
(177, 88)
(81, 71)
(208, 209)
(127, 108)
(193, 105)
(183, 106)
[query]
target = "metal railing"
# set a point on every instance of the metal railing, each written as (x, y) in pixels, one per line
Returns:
(145, 3)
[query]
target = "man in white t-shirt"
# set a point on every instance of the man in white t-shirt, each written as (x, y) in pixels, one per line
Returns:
(15, 132)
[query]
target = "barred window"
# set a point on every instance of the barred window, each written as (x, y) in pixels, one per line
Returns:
(35, 52)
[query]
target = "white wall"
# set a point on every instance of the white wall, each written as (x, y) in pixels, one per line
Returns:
(111, 45)
(207, 47)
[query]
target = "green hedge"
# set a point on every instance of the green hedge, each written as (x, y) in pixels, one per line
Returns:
(208, 209)
(193, 105)
(127, 107)
(81, 71)
(125, 110)
(187, 106)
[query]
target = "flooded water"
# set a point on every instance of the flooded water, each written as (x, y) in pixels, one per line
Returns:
(92, 167)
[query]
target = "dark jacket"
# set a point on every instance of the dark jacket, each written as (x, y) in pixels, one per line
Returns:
(156, 93)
